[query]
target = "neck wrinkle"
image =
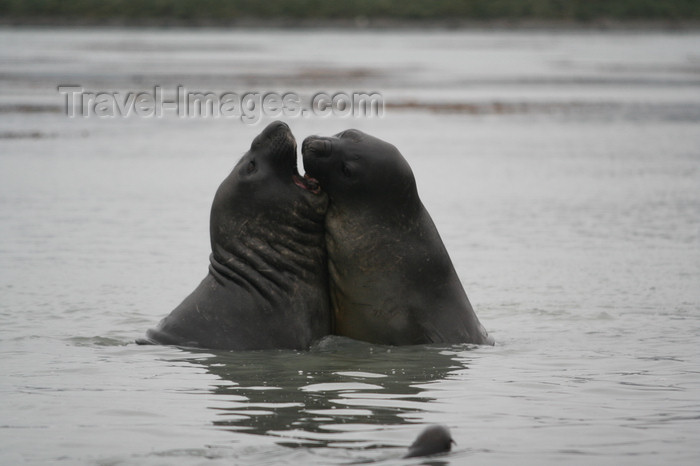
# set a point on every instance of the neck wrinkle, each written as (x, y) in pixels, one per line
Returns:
(250, 270)
(267, 264)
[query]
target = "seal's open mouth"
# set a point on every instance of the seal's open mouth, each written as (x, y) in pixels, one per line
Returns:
(306, 182)
(280, 140)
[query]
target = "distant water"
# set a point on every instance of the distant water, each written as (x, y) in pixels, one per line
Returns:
(562, 170)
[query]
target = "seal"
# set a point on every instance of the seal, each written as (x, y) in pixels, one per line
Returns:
(433, 440)
(391, 278)
(267, 286)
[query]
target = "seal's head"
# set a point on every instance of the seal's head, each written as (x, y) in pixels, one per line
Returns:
(265, 186)
(433, 440)
(355, 168)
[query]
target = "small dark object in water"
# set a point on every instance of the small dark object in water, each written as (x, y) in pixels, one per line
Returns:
(434, 439)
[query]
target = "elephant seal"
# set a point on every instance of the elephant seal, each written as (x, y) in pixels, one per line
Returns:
(433, 440)
(391, 278)
(267, 286)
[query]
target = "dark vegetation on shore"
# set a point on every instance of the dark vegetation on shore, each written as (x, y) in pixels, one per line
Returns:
(354, 11)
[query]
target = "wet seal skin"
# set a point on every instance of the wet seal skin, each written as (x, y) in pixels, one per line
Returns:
(433, 440)
(391, 278)
(267, 286)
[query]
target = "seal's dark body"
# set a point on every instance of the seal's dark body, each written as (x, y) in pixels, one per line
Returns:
(391, 278)
(267, 285)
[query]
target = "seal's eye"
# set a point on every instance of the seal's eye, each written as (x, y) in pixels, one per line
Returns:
(346, 171)
(251, 167)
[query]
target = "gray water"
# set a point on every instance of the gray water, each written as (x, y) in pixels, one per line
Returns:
(561, 168)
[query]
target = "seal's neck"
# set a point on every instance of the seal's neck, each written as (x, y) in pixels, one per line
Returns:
(270, 260)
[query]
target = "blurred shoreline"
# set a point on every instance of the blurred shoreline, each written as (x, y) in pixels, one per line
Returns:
(359, 23)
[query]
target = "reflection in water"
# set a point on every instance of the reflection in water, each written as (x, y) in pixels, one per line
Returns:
(321, 397)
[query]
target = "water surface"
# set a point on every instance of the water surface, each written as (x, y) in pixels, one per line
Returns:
(562, 170)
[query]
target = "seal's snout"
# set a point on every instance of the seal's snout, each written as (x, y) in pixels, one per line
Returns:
(276, 140)
(316, 146)
(275, 131)
(276, 126)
